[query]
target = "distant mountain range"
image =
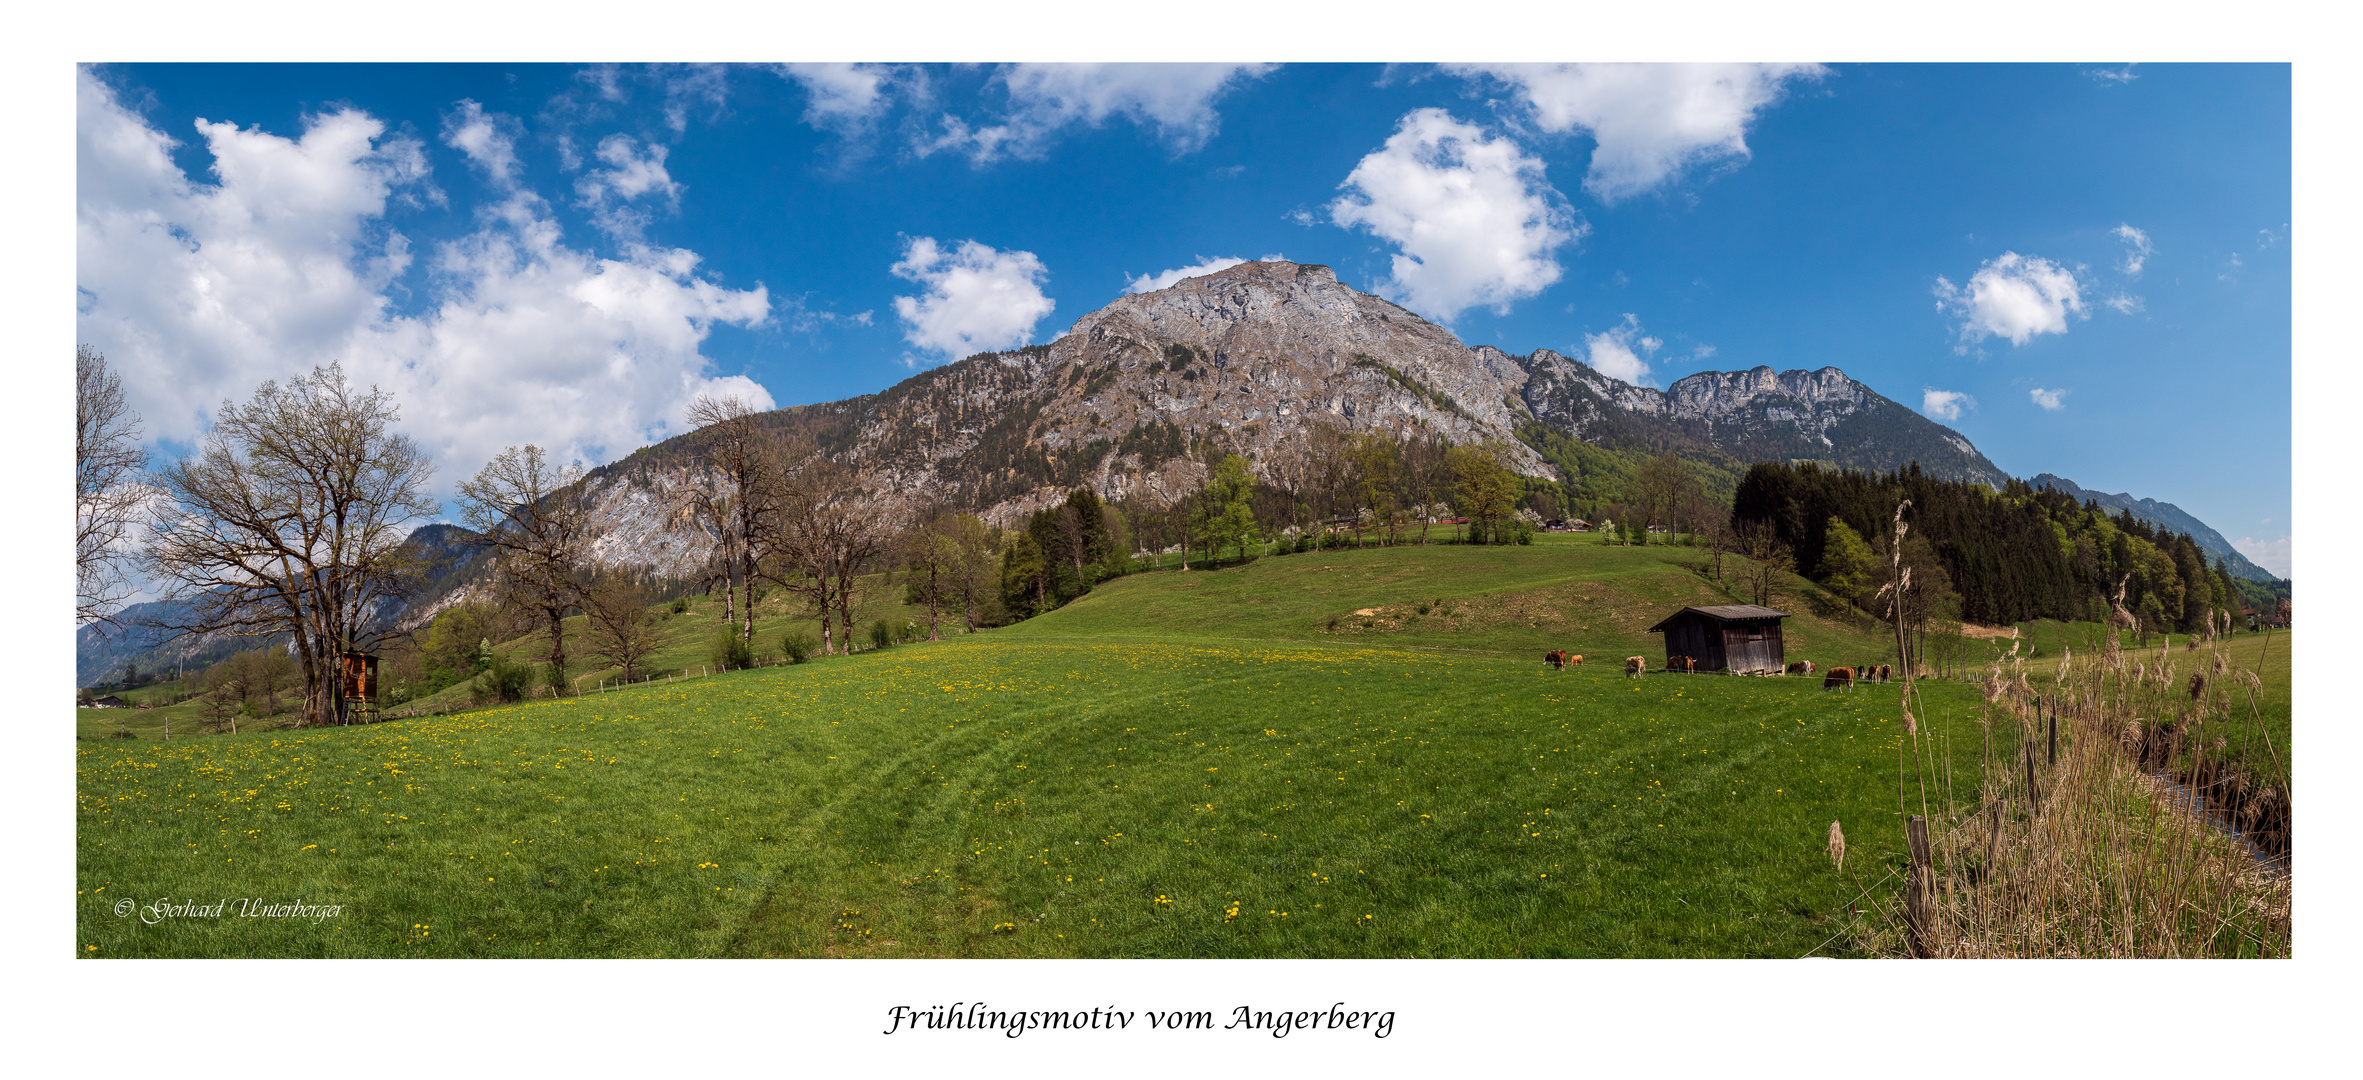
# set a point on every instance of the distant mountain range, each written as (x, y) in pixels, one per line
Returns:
(101, 651)
(1246, 358)
(2165, 516)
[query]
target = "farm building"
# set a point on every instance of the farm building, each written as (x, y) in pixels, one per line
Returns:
(1739, 638)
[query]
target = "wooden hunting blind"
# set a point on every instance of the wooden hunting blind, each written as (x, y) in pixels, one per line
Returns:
(359, 685)
(1738, 638)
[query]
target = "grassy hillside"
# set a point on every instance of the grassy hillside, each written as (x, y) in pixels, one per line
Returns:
(998, 796)
(1176, 765)
(1566, 591)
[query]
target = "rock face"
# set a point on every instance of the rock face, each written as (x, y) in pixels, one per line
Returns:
(1247, 358)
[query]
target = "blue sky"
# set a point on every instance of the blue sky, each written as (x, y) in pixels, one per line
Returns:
(2083, 269)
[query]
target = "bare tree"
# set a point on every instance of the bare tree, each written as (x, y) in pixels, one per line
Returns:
(1662, 486)
(737, 451)
(536, 518)
(932, 551)
(1767, 557)
(700, 505)
(290, 516)
(972, 568)
(1712, 525)
(109, 498)
(622, 626)
(1423, 479)
(1376, 485)
(824, 533)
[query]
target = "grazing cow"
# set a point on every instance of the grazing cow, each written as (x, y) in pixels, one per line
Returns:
(1555, 658)
(1575, 658)
(1838, 677)
(1687, 665)
(1801, 667)
(1884, 672)
(1636, 665)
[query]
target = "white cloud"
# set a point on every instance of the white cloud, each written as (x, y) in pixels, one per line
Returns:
(199, 292)
(1175, 99)
(1153, 282)
(488, 139)
(1612, 352)
(2049, 400)
(2119, 76)
(2014, 296)
(1648, 122)
(630, 174)
(977, 299)
(2125, 304)
(1945, 405)
(2231, 269)
(1475, 219)
(843, 98)
(691, 84)
(2137, 248)
(2272, 555)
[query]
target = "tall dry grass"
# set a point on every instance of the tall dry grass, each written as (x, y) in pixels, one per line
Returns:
(2089, 853)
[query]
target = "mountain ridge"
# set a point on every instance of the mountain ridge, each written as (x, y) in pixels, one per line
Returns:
(2164, 515)
(1247, 358)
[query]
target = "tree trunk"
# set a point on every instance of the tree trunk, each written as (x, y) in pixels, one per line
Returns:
(932, 633)
(747, 575)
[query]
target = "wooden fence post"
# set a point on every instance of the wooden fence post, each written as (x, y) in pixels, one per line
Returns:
(1994, 833)
(2051, 754)
(1919, 897)
(2034, 797)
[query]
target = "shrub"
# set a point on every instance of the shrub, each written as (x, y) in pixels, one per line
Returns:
(729, 652)
(680, 604)
(555, 676)
(503, 680)
(881, 634)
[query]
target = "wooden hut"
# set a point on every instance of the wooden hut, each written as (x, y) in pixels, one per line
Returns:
(1739, 638)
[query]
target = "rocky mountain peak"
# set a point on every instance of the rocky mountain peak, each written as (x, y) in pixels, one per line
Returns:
(1248, 360)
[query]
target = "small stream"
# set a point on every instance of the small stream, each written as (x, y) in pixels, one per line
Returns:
(2188, 800)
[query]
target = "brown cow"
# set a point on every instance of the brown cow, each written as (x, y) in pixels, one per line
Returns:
(1801, 667)
(1688, 665)
(1838, 677)
(1884, 672)
(1555, 658)
(1575, 658)
(1636, 665)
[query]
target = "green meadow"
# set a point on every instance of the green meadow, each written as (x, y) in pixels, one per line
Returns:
(1284, 759)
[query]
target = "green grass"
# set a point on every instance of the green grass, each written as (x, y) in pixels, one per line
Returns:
(1176, 765)
(2256, 735)
(1566, 591)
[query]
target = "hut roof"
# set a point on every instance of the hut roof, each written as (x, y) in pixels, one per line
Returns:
(1724, 613)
